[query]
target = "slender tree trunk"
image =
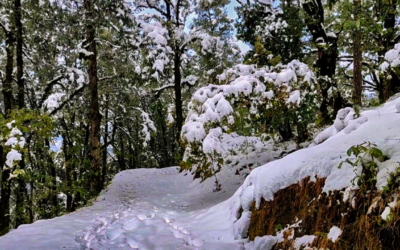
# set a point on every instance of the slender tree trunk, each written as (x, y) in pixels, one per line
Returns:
(22, 191)
(122, 154)
(392, 86)
(7, 95)
(357, 55)
(387, 10)
(20, 61)
(68, 172)
(104, 170)
(53, 174)
(327, 57)
(95, 116)
(5, 197)
(178, 93)
(31, 183)
(164, 135)
(7, 91)
(30, 205)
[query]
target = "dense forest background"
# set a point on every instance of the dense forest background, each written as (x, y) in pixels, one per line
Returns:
(91, 88)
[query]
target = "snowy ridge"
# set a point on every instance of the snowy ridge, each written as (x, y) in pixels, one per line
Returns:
(379, 126)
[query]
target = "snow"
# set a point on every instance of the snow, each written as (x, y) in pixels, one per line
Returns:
(303, 241)
(12, 141)
(334, 233)
(164, 209)
(15, 132)
(160, 40)
(15, 138)
(386, 214)
(142, 208)
(9, 125)
(377, 126)
(212, 112)
(343, 119)
(295, 97)
(391, 58)
(12, 156)
(53, 101)
(196, 131)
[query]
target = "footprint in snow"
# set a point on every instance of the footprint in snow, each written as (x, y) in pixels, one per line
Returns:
(114, 233)
(142, 217)
(131, 224)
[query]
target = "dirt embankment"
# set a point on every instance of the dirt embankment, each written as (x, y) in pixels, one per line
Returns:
(359, 218)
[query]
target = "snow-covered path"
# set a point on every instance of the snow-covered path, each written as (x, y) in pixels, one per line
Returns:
(141, 209)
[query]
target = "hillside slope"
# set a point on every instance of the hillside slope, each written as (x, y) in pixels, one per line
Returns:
(304, 194)
(299, 200)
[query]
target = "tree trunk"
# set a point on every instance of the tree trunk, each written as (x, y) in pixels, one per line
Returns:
(388, 9)
(285, 131)
(327, 57)
(357, 55)
(122, 154)
(95, 116)
(22, 191)
(5, 198)
(7, 93)
(30, 205)
(104, 170)
(178, 94)
(164, 135)
(20, 61)
(53, 174)
(68, 172)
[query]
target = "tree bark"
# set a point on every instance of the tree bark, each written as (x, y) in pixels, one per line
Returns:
(178, 93)
(95, 116)
(68, 172)
(327, 57)
(388, 9)
(105, 142)
(20, 61)
(23, 192)
(357, 55)
(5, 198)
(53, 174)
(121, 156)
(7, 93)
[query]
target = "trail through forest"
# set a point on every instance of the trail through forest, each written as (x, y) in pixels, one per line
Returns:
(142, 208)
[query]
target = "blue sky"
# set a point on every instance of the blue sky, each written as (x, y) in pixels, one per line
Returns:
(232, 13)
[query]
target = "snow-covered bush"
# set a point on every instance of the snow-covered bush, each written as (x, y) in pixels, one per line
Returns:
(392, 59)
(14, 142)
(13, 146)
(390, 73)
(233, 123)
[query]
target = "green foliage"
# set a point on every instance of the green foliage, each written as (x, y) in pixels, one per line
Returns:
(256, 24)
(278, 228)
(367, 156)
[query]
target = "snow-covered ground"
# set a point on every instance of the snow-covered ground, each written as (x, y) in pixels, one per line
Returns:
(142, 208)
(164, 209)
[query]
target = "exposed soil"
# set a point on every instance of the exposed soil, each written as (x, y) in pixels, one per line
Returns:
(319, 212)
